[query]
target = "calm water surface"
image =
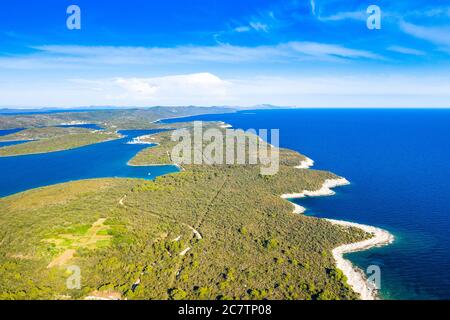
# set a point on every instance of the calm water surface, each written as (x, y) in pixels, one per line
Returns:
(399, 164)
(108, 159)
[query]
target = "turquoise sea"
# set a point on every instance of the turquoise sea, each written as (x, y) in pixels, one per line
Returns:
(398, 162)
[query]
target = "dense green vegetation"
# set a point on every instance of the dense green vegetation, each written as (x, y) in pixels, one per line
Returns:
(43, 133)
(44, 136)
(113, 119)
(51, 142)
(208, 232)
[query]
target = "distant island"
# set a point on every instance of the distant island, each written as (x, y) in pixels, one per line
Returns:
(57, 130)
(206, 232)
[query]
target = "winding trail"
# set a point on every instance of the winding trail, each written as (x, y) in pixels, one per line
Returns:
(122, 200)
(197, 236)
(196, 233)
(62, 259)
(182, 253)
(208, 209)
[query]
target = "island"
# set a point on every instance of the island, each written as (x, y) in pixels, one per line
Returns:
(205, 232)
(52, 139)
(59, 131)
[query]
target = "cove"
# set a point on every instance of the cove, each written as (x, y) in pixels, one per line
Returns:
(102, 160)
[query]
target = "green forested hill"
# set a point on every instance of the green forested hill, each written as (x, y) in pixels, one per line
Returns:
(51, 139)
(139, 118)
(208, 232)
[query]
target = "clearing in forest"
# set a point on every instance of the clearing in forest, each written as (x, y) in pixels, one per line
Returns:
(91, 237)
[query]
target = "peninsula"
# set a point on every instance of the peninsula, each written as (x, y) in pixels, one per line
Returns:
(206, 232)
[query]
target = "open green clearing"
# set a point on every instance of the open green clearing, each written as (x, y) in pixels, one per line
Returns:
(82, 236)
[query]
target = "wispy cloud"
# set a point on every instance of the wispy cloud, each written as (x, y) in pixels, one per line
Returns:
(187, 89)
(242, 29)
(58, 56)
(324, 42)
(253, 26)
(407, 51)
(440, 36)
(313, 7)
(436, 12)
(198, 87)
(430, 12)
(209, 89)
(259, 26)
(352, 15)
(330, 50)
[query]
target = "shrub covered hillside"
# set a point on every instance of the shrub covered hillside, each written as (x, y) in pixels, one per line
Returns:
(51, 139)
(208, 232)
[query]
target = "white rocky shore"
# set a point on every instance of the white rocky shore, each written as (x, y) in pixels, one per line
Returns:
(225, 125)
(356, 278)
(305, 164)
(73, 123)
(141, 140)
(326, 190)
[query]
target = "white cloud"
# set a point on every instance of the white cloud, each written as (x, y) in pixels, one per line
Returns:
(77, 57)
(352, 15)
(259, 26)
(434, 12)
(313, 7)
(242, 29)
(407, 51)
(138, 87)
(197, 88)
(253, 25)
(206, 89)
(439, 36)
(329, 50)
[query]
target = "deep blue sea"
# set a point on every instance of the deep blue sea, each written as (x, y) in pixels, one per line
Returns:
(9, 143)
(399, 164)
(9, 131)
(107, 159)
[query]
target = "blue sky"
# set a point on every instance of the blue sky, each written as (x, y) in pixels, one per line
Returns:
(305, 53)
